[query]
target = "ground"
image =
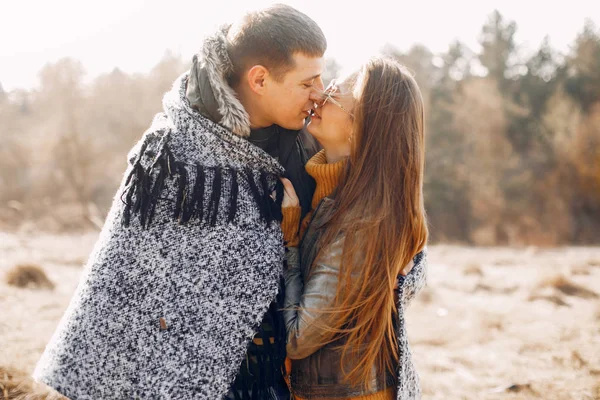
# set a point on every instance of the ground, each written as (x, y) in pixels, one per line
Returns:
(492, 323)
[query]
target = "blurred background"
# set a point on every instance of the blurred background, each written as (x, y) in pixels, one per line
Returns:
(512, 189)
(513, 119)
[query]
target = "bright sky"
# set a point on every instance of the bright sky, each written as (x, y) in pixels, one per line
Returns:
(134, 34)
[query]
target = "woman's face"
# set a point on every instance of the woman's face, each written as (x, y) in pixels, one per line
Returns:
(332, 121)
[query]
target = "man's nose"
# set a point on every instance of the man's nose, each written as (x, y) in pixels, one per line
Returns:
(319, 84)
(316, 95)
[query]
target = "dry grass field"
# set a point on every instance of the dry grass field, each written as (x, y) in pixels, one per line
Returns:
(493, 323)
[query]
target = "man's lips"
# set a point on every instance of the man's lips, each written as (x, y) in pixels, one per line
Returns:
(312, 113)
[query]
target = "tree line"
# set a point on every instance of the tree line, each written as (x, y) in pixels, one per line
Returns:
(513, 139)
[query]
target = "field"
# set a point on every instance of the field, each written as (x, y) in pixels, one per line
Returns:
(493, 323)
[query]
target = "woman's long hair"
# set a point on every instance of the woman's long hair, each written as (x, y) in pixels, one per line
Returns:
(379, 211)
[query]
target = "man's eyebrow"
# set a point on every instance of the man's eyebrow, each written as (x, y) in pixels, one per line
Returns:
(312, 77)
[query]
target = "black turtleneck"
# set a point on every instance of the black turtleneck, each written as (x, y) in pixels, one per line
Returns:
(267, 139)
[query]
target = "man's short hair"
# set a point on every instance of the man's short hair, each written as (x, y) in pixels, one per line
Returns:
(270, 37)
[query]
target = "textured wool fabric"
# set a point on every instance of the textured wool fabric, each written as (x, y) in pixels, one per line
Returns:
(187, 264)
(409, 386)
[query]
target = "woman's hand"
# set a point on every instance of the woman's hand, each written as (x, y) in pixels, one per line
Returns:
(404, 271)
(407, 268)
(290, 199)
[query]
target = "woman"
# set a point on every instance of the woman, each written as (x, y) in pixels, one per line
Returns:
(362, 253)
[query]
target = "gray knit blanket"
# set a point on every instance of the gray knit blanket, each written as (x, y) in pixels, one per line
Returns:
(186, 266)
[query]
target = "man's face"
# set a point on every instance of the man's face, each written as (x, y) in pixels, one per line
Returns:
(288, 101)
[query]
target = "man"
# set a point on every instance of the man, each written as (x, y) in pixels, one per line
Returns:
(180, 298)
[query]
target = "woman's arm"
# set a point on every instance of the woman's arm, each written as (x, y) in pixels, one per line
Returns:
(305, 301)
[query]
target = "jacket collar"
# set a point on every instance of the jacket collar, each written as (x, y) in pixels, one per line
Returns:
(207, 87)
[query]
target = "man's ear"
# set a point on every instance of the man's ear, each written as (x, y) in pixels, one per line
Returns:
(257, 77)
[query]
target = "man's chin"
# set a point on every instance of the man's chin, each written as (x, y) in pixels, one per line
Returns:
(295, 125)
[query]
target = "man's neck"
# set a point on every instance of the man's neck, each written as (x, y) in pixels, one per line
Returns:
(257, 120)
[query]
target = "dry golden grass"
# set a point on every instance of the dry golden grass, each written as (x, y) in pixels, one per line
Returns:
(504, 262)
(468, 341)
(594, 263)
(493, 289)
(473, 269)
(28, 276)
(426, 296)
(578, 359)
(11, 383)
(561, 283)
(17, 385)
(552, 298)
(581, 269)
(525, 389)
(596, 393)
(14, 384)
(435, 342)
(493, 322)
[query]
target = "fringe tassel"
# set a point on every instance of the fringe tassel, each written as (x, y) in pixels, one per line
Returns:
(215, 197)
(276, 204)
(267, 199)
(273, 206)
(156, 189)
(142, 192)
(181, 192)
(163, 161)
(144, 197)
(233, 194)
(258, 198)
(139, 183)
(188, 205)
(198, 204)
(133, 178)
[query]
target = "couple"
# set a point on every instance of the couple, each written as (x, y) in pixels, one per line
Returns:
(232, 266)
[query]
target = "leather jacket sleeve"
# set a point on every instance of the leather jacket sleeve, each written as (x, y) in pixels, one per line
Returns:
(305, 301)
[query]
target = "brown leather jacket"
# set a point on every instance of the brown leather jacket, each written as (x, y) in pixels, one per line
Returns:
(317, 371)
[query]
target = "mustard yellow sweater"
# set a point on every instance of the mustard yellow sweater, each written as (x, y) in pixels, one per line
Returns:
(326, 176)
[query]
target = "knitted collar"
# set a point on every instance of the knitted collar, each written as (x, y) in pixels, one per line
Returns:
(326, 175)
